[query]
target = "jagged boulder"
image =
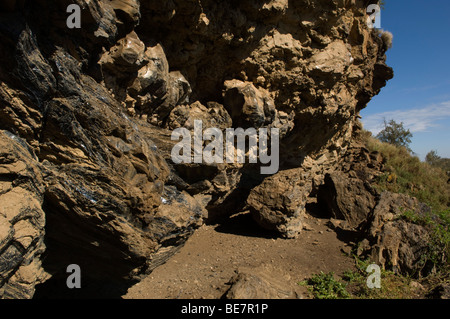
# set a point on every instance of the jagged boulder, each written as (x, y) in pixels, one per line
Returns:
(127, 10)
(278, 203)
(139, 76)
(247, 105)
(345, 198)
(213, 115)
(126, 56)
(375, 219)
(154, 76)
(396, 243)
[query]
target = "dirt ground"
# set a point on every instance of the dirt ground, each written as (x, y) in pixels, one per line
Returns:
(203, 267)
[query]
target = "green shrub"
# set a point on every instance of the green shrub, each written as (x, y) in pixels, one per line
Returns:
(325, 286)
(393, 286)
(439, 225)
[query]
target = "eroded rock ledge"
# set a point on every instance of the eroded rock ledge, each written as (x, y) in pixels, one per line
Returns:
(86, 116)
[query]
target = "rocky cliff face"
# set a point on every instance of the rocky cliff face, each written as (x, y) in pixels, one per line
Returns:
(86, 116)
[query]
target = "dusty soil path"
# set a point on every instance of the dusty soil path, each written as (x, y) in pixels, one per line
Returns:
(203, 267)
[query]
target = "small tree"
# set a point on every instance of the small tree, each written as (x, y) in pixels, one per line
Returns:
(394, 133)
(432, 158)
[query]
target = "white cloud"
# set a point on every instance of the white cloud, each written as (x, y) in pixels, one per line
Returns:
(416, 120)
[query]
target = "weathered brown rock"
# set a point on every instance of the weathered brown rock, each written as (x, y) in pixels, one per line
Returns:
(345, 198)
(247, 105)
(324, 77)
(402, 247)
(261, 283)
(179, 93)
(106, 202)
(126, 56)
(279, 202)
(154, 76)
(213, 116)
(128, 10)
(22, 219)
(396, 243)
(120, 64)
(103, 180)
(375, 219)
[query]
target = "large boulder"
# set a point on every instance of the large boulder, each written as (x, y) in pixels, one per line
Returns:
(128, 55)
(247, 105)
(127, 10)
(213, 115)
(152, 77)
(278, 203)
(262, 282)
(395, 242)
(107, 206)
(345, 198)
(377, 221)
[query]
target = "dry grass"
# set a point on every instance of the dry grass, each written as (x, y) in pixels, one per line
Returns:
(405, 173)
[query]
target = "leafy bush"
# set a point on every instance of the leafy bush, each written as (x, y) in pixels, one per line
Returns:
(439, 225)
(325, 286)
(393, 286)
(388, 38)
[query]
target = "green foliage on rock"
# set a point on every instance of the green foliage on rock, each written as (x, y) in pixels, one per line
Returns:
(325, 286)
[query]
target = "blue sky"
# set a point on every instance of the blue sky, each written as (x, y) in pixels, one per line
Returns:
(419, 94)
